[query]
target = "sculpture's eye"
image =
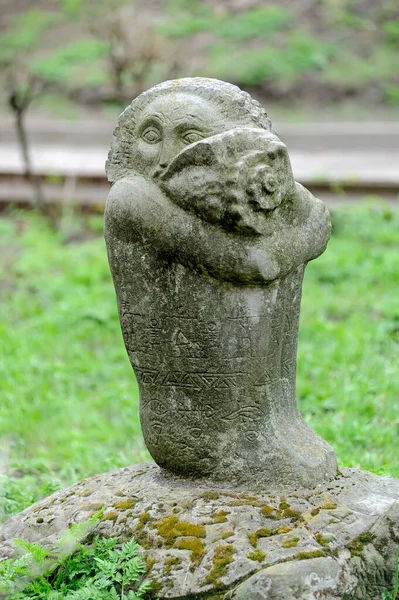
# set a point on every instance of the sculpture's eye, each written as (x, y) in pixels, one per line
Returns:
(151, 135)
(192, 136)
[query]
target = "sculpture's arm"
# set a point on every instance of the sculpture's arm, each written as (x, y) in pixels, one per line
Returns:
(137, 211)
(301, 231)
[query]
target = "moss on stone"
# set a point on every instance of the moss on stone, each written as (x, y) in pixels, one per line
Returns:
(291, 543)
(357, 545)
(311, 554)
(149, 563)
(226, 534)
(263, 532)
(196, 547)
(144, 518)
(270, 512)
(320, 540)
(109, 516)
(156, 586)
(143, 538)
(171, 528)
(211, 495)
(256, 555)
(84, 493)
(92, 506)
(222, 558)
(171, 563)
(294, 515)
(284, 529)
(220, 516)
(252, 499)
(329, 505)
(124, 504)
(315, 511)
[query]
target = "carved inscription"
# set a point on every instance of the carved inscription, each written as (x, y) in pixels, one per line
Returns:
(191, 380)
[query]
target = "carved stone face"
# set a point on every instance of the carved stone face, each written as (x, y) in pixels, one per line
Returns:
(168, 124)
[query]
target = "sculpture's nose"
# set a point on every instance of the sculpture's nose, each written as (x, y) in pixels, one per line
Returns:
(168, 152)
(164, 158)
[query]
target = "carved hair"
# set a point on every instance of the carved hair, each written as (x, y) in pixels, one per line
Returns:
(234, 104)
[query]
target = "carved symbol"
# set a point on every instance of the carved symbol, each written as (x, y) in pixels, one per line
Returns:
(288, 367)
(157, 407)
(147, 375)
(245, 414)
(184, 345)
(189, 380)
(251, 436)
(155, 432)
(196, 432)
(266, 378)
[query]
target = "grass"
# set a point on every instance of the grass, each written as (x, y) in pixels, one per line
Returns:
(69, 399)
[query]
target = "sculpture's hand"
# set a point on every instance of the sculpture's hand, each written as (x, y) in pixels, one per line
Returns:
(138, 212)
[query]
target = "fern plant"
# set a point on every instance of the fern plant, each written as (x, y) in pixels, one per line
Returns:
(73, 571)
(395, 592)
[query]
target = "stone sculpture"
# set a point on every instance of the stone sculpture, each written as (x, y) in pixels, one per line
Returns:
(208, 236)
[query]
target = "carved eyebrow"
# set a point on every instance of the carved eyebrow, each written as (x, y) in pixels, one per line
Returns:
(184, 123)
(150, 119)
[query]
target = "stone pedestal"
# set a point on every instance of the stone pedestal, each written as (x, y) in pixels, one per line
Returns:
(337, 541)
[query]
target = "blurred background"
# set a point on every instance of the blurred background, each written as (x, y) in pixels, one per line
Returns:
(327, 73)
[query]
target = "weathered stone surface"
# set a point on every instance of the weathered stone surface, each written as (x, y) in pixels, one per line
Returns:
(208, 236)
(336, 541)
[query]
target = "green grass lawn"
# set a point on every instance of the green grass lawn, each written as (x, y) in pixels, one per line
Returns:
(68, 396)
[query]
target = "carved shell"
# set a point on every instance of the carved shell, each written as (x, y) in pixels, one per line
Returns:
(234, 178)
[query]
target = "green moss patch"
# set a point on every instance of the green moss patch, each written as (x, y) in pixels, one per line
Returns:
(357, 545)
(171, 528)
(109, 516)
(291, 543)
(196, 547)
(270, 513)
(222, 558)
(211, 495)
(320, 540)
(220, 516)
(263, 532)
(284, 529)
(256, 555)
(311, 554)
(226, 534)
(124, 504)
(171, 563)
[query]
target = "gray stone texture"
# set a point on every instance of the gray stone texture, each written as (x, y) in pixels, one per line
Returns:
(337, 541)
(208, 236)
